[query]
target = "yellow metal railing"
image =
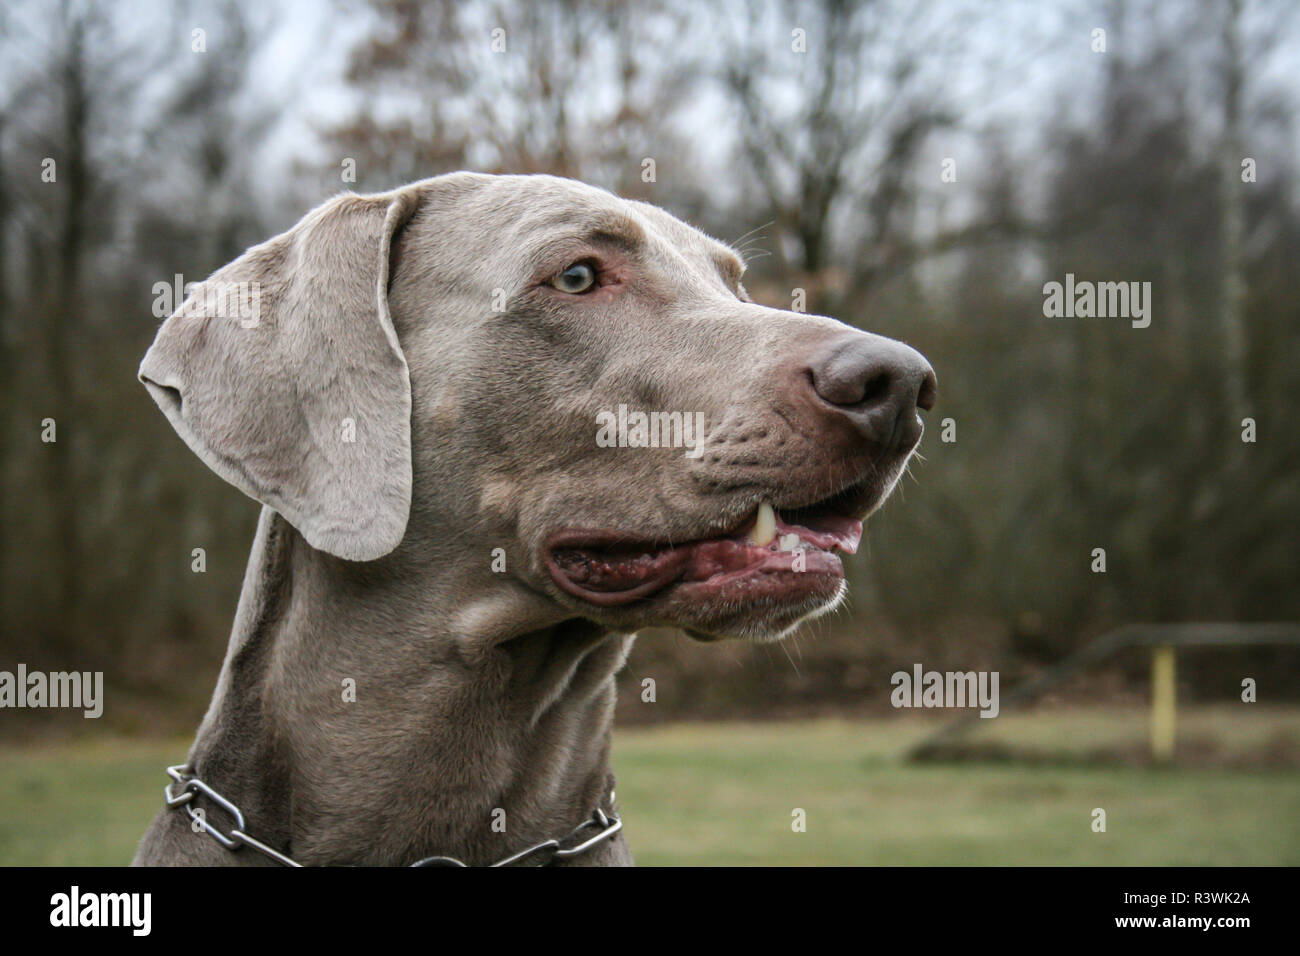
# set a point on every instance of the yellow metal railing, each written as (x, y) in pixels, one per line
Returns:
(1163, 640)
(1164, 703)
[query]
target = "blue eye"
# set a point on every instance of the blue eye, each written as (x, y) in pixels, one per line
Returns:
(576, 279)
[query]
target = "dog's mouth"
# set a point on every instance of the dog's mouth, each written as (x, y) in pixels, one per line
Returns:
(774, 554)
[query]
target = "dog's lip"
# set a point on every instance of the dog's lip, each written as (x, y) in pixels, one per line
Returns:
(669, 568)
(613, 557)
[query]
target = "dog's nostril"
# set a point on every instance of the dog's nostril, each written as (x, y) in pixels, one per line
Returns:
(875, 388)
(847, 384)
(929, 392)
(860, 379)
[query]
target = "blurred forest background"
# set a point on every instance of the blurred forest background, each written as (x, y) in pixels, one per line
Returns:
(920, 170)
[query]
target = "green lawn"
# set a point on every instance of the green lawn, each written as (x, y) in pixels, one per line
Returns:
(723, 794)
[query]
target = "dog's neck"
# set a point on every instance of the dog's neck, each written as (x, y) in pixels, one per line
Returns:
(378, 715)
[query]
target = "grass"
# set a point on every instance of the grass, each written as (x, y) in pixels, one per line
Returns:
(710, 794)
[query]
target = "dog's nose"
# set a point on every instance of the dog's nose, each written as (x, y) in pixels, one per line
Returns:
(877, 384)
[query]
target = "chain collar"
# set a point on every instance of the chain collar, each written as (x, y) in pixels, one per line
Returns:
(601, 826)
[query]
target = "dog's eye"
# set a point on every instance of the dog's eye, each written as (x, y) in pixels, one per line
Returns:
(577, 279)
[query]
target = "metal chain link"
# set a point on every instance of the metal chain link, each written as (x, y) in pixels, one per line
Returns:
(540, 854)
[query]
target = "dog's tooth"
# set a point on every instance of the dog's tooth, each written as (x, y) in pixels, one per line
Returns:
(764, 529)
(789, 542)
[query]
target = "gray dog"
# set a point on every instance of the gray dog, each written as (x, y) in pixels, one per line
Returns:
(496, 424)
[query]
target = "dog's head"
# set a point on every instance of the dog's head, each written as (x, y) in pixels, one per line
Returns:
(570, 391)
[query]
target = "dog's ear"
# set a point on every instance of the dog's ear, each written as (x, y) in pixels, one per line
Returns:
(283, 372)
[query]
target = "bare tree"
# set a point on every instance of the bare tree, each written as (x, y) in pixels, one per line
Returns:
(584, 88)
(836, 101)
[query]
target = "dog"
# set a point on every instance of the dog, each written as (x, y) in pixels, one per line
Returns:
(450, 567)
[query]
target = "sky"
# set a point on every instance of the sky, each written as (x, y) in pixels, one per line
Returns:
(1027, 61)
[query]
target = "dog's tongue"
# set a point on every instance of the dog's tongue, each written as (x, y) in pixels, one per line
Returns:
(828, 532)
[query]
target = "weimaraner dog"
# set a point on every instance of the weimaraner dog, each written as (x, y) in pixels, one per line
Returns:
(496, 424)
